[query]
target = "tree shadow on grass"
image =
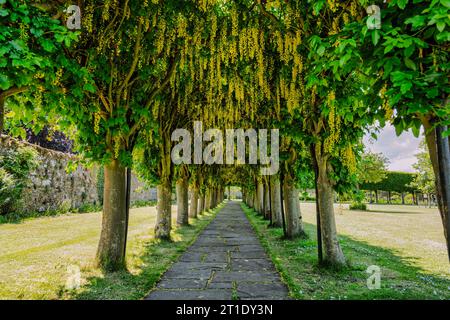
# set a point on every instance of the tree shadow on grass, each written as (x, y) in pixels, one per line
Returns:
(296, 260)
(396, 212)
(144, 268)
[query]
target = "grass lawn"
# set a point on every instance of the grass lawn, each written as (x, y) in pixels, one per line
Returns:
(35, 256)
(406, 242)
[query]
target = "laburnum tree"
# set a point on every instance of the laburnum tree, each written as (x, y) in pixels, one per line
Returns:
(125, 56)
(410, 53)
(319, 80)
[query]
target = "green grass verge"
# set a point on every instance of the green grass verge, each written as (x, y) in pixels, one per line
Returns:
(155, 258)
(296, 260)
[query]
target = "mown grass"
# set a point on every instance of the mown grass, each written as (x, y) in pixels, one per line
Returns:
(401, 277)
(36, 256)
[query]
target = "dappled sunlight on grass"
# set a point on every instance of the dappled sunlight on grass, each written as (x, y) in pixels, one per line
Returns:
(35, 256)
(402, 277)
(415, 233)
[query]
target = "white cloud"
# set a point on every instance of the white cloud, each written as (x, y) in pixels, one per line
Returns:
(399, 150)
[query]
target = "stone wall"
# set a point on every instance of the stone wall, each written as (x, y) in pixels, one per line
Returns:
(53, 187)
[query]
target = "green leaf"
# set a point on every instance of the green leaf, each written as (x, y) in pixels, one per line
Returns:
(4, 82)
(89, 87)
(416, 129)
(410, 64)
(48, 45)
(400, 126)
(402, 4)
(405, 87)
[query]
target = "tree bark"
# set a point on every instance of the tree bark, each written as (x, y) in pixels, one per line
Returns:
(276, 203)
(443, 183)
(208, 199)
(193, 210)
(182, 188)
(441, 173)
(164, 206)
(2, 113)
(260, 197)
(266, 201)
(376, 196)
(333, 252)
(164, 212)
(294, 225)
(110, 253)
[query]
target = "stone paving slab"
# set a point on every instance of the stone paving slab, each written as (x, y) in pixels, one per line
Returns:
(227, 260)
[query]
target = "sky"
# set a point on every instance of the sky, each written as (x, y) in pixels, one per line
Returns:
(399, 150)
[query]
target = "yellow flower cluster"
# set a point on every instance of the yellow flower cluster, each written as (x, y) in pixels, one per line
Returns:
(160, 36)
(88, 17)
(349, 159)
(386, 107)
(23, 32)
(287, 47)
(334, 123)
(353, 9)
(38, 75)
(96, 123)
(57, 80)
(181, 26)
(105, 11)
(334, 27)
(234, 23)
(332, 5)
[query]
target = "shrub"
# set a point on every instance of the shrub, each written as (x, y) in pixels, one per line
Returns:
(8, 192)
(87, 208)
(358, 206)
(15, 168)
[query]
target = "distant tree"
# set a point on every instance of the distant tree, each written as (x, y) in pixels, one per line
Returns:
(424, 179)
(393, 182)
(372, 167)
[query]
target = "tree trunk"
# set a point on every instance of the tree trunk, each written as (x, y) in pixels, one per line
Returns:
(376, 196)
(276, 203)
(403, 198)
(110, 253)
(333, 252)
(2, 113)
(266, 201)
(443, 180)
(260, 196)
(294, 225)
(164, 206)
(193, 210)
(164, 212)
(182, 188)
(208, 199)
(201, 203)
